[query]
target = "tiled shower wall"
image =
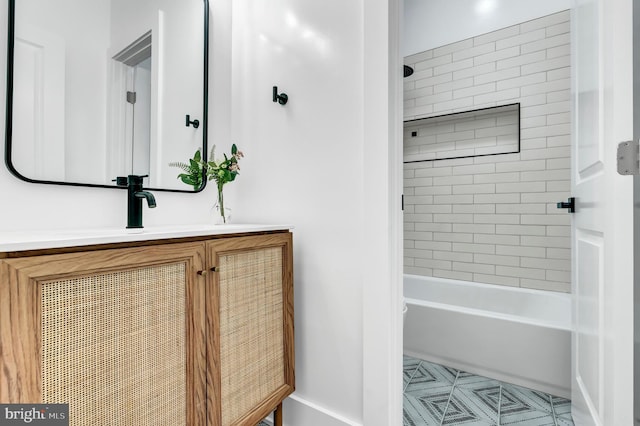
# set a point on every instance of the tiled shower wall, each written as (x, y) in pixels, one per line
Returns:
(493, 219)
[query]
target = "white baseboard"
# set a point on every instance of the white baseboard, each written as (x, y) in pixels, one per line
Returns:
(298, 411)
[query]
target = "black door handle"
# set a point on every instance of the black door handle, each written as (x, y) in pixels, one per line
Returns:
(570, 204)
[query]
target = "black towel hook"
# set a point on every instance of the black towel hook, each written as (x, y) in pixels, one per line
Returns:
(194, 123)
(281, 98)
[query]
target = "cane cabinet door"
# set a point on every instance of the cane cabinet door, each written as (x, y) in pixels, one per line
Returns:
(119, 334)
(251, 341)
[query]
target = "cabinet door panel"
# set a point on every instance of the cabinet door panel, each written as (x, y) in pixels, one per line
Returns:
(118, 334)
(253, 318)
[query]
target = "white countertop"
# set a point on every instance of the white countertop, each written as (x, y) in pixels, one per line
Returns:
(37, 240)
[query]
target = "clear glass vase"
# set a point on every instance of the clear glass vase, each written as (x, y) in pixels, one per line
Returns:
(221, 213)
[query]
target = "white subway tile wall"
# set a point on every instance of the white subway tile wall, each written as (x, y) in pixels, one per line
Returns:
(491, 219)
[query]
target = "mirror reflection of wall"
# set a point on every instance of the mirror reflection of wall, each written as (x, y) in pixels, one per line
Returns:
(176, 87)
(59, 110)
(131, 108)
(73, 121)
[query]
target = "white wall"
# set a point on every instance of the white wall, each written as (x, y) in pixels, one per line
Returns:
(433, 23)
(303, 166)
(33, 207)
(307, 163)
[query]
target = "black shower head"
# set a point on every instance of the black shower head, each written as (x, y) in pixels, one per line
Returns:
(407, 71)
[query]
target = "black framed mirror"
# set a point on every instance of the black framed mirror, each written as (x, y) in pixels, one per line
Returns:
(103, 88)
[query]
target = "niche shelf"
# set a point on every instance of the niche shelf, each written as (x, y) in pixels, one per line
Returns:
(475, 133)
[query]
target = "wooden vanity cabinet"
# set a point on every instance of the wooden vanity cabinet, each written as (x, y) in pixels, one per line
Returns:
(180, 333)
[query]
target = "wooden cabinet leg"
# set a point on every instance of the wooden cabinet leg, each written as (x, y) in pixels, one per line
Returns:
(277, 416)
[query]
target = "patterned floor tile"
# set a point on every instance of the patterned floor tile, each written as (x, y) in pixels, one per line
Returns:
(465, 378)
(468, 408)
(437, 395)
(424, 411)
(517, 399)
(409, 368)
(406, 359)
(528, 418)
(564, 421)
(430, 377)
(561, 406)
(484, 389)
(562, 410)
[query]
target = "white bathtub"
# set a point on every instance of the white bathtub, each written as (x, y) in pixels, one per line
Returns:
(515, 335)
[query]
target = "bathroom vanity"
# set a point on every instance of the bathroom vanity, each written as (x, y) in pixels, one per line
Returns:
(188, 327)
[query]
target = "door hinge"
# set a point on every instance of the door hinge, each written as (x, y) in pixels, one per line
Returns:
(131, 97)
(628, 158)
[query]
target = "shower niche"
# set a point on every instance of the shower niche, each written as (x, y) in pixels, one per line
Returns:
(479, 132)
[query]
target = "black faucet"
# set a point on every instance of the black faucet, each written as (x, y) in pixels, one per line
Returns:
(135, 194)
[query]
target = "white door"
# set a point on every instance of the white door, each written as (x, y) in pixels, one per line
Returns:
(38, 151)
(602, 376)
(142, 118)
